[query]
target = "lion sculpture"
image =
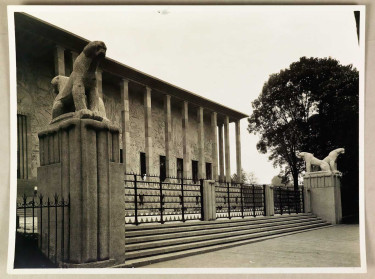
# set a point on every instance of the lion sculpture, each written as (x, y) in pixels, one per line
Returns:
(327, 164)
(332, 158)
(78, 92)
(310, 160)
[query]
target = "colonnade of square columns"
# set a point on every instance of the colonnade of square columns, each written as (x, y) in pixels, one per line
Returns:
(217, 130)
(220, 131)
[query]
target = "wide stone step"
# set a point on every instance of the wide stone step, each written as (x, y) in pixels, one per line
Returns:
(143, 230)
(219, 229)
(139, 262)
(194, 238)
(186, 246)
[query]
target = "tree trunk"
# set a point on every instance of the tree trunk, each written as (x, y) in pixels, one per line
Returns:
(295, 180)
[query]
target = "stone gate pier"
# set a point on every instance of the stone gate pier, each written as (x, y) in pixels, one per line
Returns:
(80, 159)
(323, 195)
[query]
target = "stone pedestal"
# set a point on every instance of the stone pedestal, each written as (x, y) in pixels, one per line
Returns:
(325, 195)
(307, 200)
(270, 205)
(209, 201)
(80, 158)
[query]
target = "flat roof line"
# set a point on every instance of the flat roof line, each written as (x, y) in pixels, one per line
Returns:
(77, 43)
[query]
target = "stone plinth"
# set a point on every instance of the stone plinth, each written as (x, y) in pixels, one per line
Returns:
(270, 205)
(80, 158)
(325, 195)
(209, 201)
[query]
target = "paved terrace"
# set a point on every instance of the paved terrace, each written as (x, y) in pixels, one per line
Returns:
(336, 246)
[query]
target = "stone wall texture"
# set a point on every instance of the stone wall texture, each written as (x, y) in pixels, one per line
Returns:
(34, 99)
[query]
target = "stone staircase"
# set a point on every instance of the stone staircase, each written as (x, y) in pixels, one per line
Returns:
(150, 243)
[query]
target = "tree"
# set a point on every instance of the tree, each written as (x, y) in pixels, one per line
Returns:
(246, 177)
(280, 180)
(307, 107)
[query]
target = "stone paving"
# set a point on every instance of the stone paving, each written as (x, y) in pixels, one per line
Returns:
(336, 246)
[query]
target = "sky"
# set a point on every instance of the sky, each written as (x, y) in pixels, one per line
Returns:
(223, 53)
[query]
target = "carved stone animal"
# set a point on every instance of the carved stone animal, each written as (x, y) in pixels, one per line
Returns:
(58, 83)
(79, 91)
(310, 160)
(331, 159)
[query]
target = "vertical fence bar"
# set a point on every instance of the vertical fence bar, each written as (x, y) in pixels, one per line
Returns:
(228, 200)
(56, 201)
(182, 200)
(41, 220)
(280, 202)
(288, 200)
(264, 200)
(68, 258)
(62, 229)
(24, 213)
(48, 226)
(202, 210)
(254, 200)
(161, 200)
(296, 194)
(242, 209)
(33, 205)
(135, 201)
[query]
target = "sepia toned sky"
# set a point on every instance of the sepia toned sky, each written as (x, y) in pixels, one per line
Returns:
(224, 53)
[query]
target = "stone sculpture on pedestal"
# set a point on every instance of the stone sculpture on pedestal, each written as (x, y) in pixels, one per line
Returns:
(80, 159)
(78, 93)
(327, 164)
(322, 189)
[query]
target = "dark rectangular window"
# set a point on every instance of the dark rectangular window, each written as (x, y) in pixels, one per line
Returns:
(180, 168)
(121, 161)
(194, 168)
(22, 170)
(208, 171)
(163, 169)
(143, 163)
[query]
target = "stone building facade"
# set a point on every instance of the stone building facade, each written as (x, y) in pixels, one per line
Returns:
(165, 130)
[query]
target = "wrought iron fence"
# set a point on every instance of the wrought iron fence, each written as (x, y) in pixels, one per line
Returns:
(151, 199)
(44, 221)
(239, 200)
(287, 200)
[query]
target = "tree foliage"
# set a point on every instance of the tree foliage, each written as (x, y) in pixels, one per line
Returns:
(312, 106)
(246, 177)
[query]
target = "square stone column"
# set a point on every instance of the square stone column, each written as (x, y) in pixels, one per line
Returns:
(148, 130)
(80, 159)
(74, 56)
(125, 122)
(186, 147)
(209, 200)
(59, 60)
(201, 163)
(168, 135)
(99, 82)
(325, 195)
(227, 149)
(221, 153)
(269, 199)
(238, 151)
(214, 146)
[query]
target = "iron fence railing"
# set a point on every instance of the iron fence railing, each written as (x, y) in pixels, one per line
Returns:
(288, 200)
(40, 220)
(151, 199)
(239, 200)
